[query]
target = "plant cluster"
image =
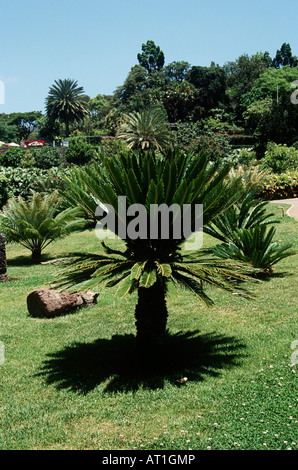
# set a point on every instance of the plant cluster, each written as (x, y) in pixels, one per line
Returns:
(279, 186)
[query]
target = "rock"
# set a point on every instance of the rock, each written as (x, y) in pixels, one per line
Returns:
(48, 303)
(89, 297)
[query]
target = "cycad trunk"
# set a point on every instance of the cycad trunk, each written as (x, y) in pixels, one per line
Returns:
(36, 255)
(3, 262)
(151, 320)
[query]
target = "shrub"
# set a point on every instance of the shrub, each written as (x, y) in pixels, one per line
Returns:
(280, 158)
(3, 190)
(245, 157)
(46, 157)
(79, 152)
(282, 186)
(254, 246)
(12, 157)
(23, 181)
(36, 222)
(215, 146)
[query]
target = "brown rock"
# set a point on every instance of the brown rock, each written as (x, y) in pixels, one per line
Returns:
(48, 303)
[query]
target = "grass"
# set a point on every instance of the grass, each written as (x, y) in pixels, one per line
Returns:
(72, 382)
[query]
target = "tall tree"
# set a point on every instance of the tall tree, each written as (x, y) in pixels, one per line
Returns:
(284, 57)
(152, 57)
(66, 102)
(210, 83)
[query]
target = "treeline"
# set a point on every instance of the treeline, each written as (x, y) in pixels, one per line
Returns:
(253, 95)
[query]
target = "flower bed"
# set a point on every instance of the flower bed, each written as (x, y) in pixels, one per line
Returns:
(283, 186)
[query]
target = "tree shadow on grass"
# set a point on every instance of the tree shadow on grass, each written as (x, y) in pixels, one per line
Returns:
(115, 363)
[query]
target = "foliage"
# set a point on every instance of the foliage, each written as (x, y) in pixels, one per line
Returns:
(8, 132)
(280, 186)
(255, 246)
(23, 181)
(210, 83)
(79, 152)
(284, 57)
(12, 157)
(3, 190)
(145, 130)
(152, 57)
(66, 102)
(216, 146)
(280, 158)
(35, 223)
(245, 157)
(247, 214)
(177, 70)
(150, 264)
(25, 123)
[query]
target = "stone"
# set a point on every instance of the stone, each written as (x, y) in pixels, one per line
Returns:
(89, 297)
(49, 303)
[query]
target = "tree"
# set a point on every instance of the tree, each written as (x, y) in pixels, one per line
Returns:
(145, 130)
(241, 76)
(176, 71)
(66, 102)
(35, 223)
(25, 122)
(179, 100)
(210, 83)
(3, 262)
(151, 58)
(132, 88)
(150, 264)
(284, 57)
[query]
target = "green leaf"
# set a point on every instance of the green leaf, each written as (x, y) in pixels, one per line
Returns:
(164, 269)
(137, 270)
(148, 278)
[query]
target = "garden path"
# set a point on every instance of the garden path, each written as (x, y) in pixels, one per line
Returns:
(293, 210)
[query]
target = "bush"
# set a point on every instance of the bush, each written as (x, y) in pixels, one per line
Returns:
(12, 157)
(281, 186)
(245, 157)
(23, 181)
(279, 158)
(216, 146)
(3, 190)
(46, 157)
(256, 247)
(79, 152)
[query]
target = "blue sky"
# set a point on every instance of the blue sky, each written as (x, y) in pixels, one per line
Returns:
(97, 42)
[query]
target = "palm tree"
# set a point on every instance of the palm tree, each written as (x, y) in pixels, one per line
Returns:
(35, 223)
(3, 262)
(66, 102)
(150, 266)
(145, 130)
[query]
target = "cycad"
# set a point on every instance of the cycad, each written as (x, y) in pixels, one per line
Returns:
(256, 247)
(36, 222)
(145, 130)
(247, 236)
(245, 214)
(150, 265)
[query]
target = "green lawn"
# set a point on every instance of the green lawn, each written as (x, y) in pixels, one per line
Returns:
(72, 382)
